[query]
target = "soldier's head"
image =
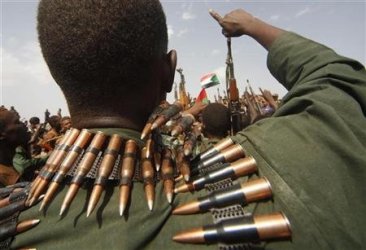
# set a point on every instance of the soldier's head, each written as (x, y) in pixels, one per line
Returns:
(34, 122)
(109, 57)
(216, 121)
(12, 131)
(55, 122)
(65, 123)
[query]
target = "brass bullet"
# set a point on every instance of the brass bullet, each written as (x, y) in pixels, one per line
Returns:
(66, 165)
(26, 225)
(127, 172)
(83, 168)
(239, 168)
(148, 177)
(167, 172)
(243, 194)
(104, 171)
(239, 230)
(221, 145)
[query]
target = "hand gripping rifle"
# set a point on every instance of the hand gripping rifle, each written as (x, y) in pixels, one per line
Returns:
(233, 93)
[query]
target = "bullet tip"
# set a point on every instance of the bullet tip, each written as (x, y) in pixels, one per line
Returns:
(31, 201)
(62, 210)
(154, 126)
(150, 203)
(121, 209)
(89, 211)
(186, 177)
(42, 206)
(188, 208)
(187, 152)
(174, 133)
(195, 235)
(35, 222)
(157, 167)
(169, 197)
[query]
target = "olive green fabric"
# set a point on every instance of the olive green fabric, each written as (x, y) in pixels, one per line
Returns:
(105, 229)
(313, 150)
(21, 161)
(207, 143)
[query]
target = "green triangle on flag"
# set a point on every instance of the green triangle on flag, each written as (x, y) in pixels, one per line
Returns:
(209, 80)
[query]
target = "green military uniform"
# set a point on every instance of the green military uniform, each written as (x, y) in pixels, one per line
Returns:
(21, 161)
(105, 229)
(207, 143)
(312, 150)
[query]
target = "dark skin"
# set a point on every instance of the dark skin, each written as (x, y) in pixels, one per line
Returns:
(14, 134)
(131, 110)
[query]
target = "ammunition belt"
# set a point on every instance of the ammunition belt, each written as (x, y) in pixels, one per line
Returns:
(7, 230)
(9, 213)
(225, 213)
(115, 175)
(206, 170)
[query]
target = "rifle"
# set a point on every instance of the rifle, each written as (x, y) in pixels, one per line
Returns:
(252, 112)
(175, 92)
(232, 92)
(255, 101)
(41, 128)
(182, 90)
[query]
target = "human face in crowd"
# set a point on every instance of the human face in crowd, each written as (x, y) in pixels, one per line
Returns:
(15, 132)
(65, 124)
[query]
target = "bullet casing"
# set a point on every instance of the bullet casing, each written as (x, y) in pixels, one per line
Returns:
(129, 160)
(242, 194)
(127, 172)
(148, 177)
(236, 169)
(167, 171)
(240, 230)
(109, 159)
(221, 145)
(230, 154)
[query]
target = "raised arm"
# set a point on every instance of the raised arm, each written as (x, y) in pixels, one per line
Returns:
(239, 22)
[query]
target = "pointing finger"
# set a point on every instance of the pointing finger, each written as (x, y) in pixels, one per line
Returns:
(216, 16)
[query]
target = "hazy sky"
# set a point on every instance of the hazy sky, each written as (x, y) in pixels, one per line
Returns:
(26, 82)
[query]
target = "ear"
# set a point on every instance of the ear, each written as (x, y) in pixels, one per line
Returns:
(171, 64)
